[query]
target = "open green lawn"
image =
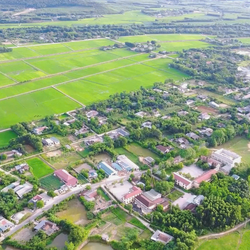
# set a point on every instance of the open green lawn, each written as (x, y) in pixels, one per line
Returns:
(38, 168)
(48, 49)
(5, 138)
(239, 145)
(239, 240)
(140, 151)
(50, 183)
(175, 195)
(34, 106)
(75, 212)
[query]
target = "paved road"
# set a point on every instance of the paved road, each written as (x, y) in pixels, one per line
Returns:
(57, 200)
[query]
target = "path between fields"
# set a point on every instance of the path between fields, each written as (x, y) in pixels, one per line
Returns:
(73, 99)
(217, 235)
(77, 79)
(63, 72)
(42, 56)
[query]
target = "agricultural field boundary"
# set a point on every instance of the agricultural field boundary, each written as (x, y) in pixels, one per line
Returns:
(76, 79)
(67, 71)
(70, 97)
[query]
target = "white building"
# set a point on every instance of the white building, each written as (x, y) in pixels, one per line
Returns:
(162, 237)
(214, 105)
(182, 181)
(126, 163)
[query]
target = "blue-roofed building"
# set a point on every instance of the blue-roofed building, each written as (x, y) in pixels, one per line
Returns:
(107, 169)
(116, 167)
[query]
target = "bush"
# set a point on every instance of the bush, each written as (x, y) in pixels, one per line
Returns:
(90, 215)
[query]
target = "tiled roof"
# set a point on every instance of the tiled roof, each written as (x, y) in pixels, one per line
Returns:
(67, 178)
(206, 176)
(182, 179)
(135, 191)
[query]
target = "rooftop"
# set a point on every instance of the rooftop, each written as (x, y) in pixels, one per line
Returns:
(67, 178)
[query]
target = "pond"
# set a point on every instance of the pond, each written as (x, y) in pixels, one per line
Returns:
(59, 241)
(96, 246)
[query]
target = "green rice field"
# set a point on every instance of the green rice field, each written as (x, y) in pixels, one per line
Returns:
(50, 182)
(27, 83)
(238, 240)
(5, 138)
(38, 168)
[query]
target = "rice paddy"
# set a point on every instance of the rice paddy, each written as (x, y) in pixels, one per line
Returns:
(40, 80)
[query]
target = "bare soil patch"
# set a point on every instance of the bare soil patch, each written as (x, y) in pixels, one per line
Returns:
(208, 110)
(54, 153)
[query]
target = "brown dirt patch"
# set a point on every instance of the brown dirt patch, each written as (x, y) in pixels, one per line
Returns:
(208, 110)
(54, 153)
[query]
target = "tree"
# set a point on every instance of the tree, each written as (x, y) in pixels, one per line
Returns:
(90, 215)
(88, 187)
(69, 246)
(40, 204)
(51, 193)
(30, 205)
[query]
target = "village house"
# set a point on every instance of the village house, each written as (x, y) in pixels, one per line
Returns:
(68, 122)
(92, 174)
(47, 226)
(162, 237)
(22, 189)
(211, 162)
(147, 124)
(177, 159)
(126, 163)
(204, 116)
(92, 140)
(90, 195)
(129, 197)
(82, 130)
(5, 224)
(149, 160)
(39, 130)
(226, 157)
(149, 200)
(141, 114)
(164, 149)
(109, 171)
(182, 181)
(51, 142)
(66, 178)
(92, 113)
(193, 136)
(182, 113)
(189, 102)
(182, 142)
(21, 168)
(214, 105)
(36, 198)
(205, 131)
(204, 177)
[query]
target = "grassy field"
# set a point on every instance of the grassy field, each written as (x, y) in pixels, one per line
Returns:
(239, 145)
(103, 195)
(137, 223)
(34, 106)
(50, 183)
(175, 195)
(75, 212)
(64, 160)
(239, 240)
(38, 168)
(5, 138)
(140, 151)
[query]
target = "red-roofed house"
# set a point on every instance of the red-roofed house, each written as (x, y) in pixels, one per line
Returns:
(129, 197)
(36, 198)
(204, 177)
(164, 149)
(182, 181)
(67, 178)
